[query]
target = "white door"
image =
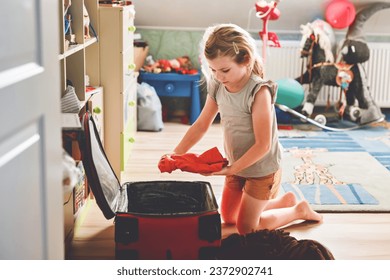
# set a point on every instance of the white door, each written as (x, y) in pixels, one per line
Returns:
(31, 217)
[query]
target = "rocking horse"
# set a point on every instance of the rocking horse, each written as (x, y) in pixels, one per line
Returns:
(317, 48)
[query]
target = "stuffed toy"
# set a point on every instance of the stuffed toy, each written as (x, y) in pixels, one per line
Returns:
(355, 51)
(347, 72)
(181, 65)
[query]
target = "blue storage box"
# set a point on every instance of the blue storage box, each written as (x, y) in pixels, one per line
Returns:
(176, 85)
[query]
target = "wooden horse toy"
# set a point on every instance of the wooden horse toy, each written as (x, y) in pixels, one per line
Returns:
(317, 47)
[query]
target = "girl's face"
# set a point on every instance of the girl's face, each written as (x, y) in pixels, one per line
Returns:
(232, 75)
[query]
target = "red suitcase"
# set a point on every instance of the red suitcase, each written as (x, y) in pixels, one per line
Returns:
(153, 219)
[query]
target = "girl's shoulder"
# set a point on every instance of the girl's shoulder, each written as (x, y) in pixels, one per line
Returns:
(256, 82)
(257, 79)
(213, 88)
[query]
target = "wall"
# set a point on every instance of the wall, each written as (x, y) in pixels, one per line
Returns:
(172, 32)
(186, 14)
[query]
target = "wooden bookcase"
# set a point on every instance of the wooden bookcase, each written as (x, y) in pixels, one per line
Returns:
(79, 64)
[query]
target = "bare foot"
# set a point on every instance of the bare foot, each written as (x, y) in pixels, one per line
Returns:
(288, 199)
(306, 213)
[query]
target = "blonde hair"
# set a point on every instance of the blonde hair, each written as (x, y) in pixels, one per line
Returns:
(232, 41)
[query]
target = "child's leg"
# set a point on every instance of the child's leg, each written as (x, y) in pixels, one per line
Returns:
(286, 200)
(252, 215)
(267, 188)
(231, 199)
(275, 218)
(260, 210)
(249, 213)
(256, 188)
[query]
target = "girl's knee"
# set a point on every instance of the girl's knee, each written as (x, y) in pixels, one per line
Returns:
(245, 227)
(228, 218)
(266, 223)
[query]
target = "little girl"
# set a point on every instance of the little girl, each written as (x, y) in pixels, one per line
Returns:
(244, 100)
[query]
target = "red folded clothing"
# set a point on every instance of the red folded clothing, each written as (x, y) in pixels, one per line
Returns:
(209, 161)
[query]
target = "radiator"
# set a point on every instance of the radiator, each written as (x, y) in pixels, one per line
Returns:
(285, 62)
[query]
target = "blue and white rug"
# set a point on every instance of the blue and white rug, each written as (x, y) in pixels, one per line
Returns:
(338, 171)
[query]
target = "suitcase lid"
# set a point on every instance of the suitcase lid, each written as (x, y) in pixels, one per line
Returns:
(100, 176)
(156, 198)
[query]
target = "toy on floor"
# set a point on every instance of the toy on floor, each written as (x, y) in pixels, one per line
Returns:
(181, 65)
(320, 120)
(291, 95)
(348, 73)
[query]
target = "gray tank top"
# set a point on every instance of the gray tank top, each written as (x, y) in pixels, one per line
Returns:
(235, 110)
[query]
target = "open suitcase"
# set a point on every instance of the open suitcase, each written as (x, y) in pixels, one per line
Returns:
(153, 219)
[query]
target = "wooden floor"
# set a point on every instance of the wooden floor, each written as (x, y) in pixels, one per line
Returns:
(348, 236)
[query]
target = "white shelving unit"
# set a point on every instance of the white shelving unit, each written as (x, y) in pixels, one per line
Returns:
(119, 79)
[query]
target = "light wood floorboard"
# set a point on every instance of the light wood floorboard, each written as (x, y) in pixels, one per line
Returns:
(362, 236)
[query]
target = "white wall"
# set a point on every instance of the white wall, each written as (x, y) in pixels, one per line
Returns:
(198, 14)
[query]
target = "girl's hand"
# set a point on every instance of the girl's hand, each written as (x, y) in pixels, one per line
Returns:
(167, 155)
(226, 171)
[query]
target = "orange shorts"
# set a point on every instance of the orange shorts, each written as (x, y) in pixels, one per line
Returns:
(262, 188)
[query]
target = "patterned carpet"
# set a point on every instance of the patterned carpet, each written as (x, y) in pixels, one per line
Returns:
(338, 171)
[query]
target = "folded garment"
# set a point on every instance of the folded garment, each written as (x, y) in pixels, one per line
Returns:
(207, 162)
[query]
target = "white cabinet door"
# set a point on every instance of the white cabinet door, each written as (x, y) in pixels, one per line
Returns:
(31, 214)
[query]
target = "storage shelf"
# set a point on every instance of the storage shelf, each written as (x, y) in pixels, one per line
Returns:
(116, 44)
(90, 41)
(75, 48)
(97, 89)
(77, 62)
(70, 121)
